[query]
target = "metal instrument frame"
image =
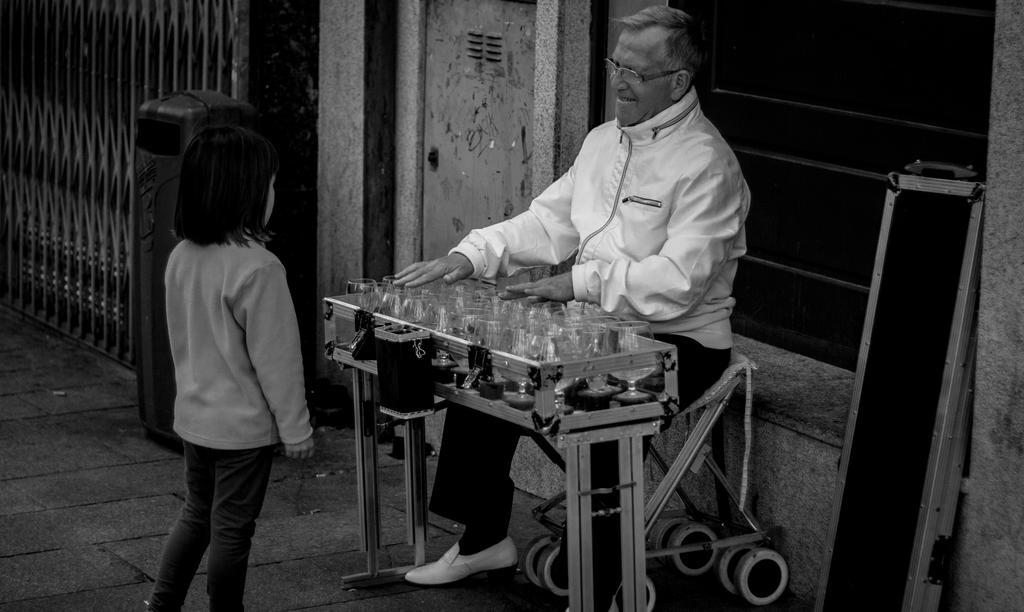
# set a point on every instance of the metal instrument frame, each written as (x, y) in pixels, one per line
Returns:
(573, 432)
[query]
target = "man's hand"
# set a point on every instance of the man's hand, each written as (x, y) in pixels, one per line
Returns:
(553, 288)
(454, 267)
(302, 450)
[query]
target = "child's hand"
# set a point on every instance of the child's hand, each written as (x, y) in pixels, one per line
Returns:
(302, 450)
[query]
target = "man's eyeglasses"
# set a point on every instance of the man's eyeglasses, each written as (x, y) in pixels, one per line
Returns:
(632, 76)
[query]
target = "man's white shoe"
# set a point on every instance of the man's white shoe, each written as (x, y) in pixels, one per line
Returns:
(452, 567)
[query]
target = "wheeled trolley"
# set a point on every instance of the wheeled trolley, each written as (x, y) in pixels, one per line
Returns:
(689, 540)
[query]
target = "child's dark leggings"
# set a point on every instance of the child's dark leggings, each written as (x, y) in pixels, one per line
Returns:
(225, 495)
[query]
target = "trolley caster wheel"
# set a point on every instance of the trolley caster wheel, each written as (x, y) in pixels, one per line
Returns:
(725, 566)
(761, 576)
(652, 595)
(545, 566)
(652, 598)
(528, 562)
(695, 563)
(657, 539)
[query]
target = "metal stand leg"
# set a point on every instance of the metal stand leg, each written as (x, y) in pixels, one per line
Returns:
(416, 488)
(578, 527)
(366, 466)
(579, 518)
(631, 522)
(368, 485)
(365, 422)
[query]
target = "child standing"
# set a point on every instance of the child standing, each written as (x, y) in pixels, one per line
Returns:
(238, 370)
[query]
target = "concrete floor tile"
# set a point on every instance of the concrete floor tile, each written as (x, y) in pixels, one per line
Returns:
(322, 534)
(67, 570)
(293, 585)
(32, 373)
(144, 553)
(17, 381)
(83, 398)
(61, 443)
(103, 484)
(22, 458)
(473, 594)
(14, 407)
(32, 532)
(16, 338)
(117, 432)
(292, 496)
(121, 429)
(15, 500)
(126, 598)
(295, 537)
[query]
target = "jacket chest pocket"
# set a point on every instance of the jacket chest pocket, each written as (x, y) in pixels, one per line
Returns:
(644, 225)
(642, 201)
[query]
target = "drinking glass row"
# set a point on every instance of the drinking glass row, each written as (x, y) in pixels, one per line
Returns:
(544, 331)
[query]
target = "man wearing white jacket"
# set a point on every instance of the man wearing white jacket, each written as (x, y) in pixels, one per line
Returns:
(654, 208)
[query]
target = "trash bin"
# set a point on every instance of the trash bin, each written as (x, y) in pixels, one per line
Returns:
(163, 130)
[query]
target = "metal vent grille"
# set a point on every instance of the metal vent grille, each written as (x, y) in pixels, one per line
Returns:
(489, 47)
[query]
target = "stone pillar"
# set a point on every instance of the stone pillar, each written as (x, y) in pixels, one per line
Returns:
(355, 187)
(561, 115)
(561, 87)
(988, 568)
(340, 127)
(409, 133)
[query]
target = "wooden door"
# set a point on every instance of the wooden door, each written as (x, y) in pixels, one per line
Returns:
(821, 99)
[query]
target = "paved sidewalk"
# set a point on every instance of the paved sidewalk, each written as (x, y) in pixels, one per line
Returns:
(86, 499)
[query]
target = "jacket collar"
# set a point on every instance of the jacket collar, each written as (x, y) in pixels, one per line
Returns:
(666, 120)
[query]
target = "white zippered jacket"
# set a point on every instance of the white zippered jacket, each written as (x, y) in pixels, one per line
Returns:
(654, 213)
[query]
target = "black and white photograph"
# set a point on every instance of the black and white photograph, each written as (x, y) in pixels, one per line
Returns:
(511, 305)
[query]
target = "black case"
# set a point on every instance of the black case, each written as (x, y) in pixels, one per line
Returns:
(904, 452)
(403, 368)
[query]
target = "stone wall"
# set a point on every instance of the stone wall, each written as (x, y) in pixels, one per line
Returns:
(341, 128)
(988, 567)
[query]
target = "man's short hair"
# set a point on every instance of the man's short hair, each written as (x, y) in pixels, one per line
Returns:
(686, 45)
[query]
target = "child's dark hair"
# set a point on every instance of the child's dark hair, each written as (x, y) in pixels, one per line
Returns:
(224, 184)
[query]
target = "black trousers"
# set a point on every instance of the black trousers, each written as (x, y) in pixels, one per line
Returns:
(226, 489)
(472, 484)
